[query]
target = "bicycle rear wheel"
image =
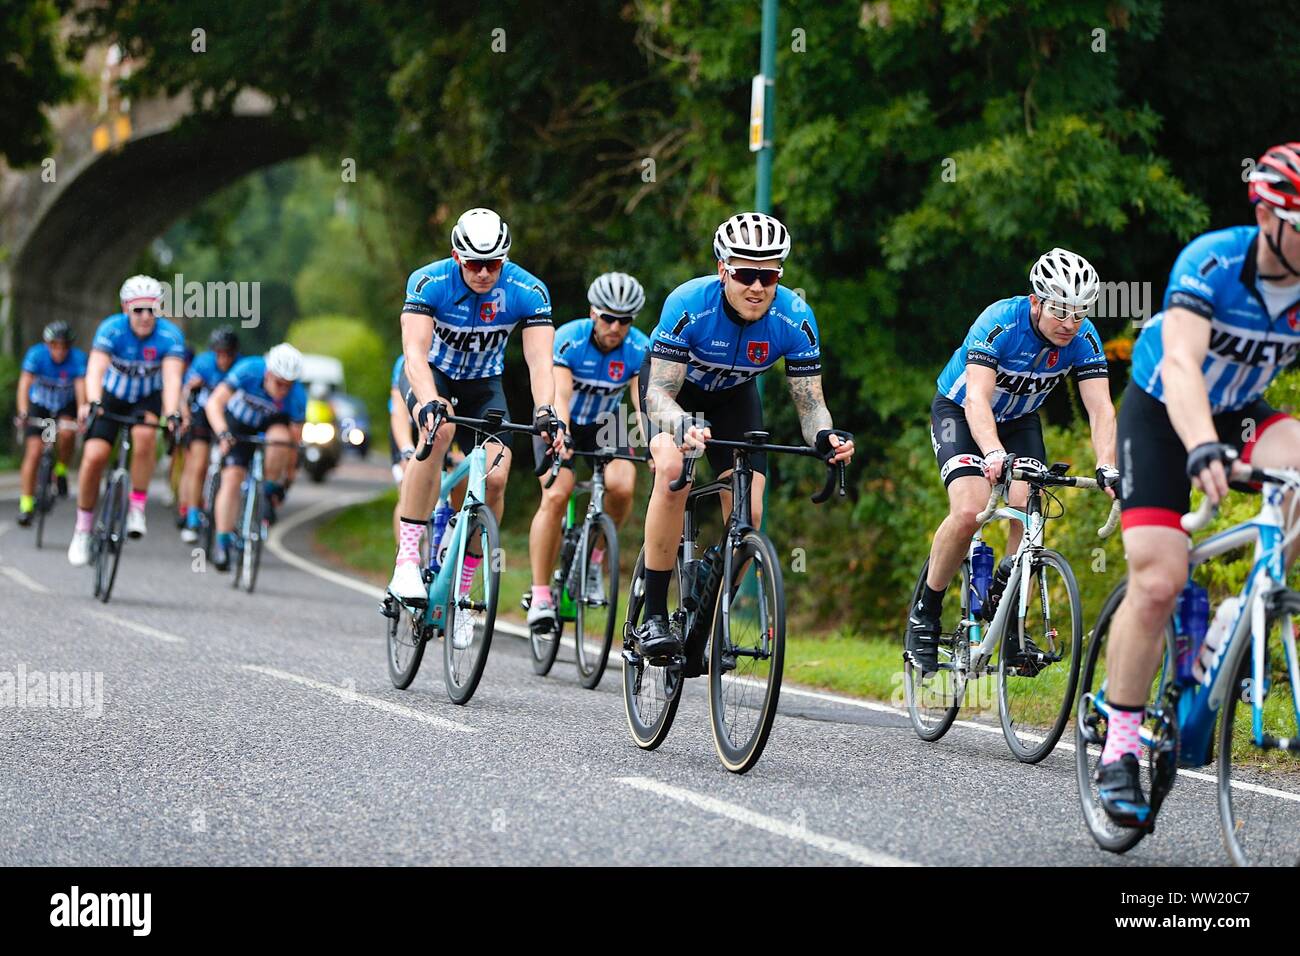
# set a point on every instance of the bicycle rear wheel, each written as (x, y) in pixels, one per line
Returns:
(207, 514)
(113, 537)
(474, 611)
(596, 614)
(1258, 810)
(1090, 729)
(934, 699)
(45, 492)
(650, 694)
(747, 654)
(1034, 701)
(544, 645)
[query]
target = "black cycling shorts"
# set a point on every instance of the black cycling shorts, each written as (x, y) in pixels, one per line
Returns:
(101, 427)
(1154, 488)
(200, 429)
(40, 411)
(585, 438)
(470, 398)
(242, 454)
(730, 413)
(958, 454)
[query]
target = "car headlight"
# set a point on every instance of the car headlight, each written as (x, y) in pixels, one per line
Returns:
(356, 436)
(318, 433)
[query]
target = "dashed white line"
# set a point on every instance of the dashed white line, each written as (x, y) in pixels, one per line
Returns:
(139, 628)
(345, 693)
(827, 844)
(23, 579)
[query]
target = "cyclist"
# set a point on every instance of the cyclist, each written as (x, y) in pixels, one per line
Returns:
(596, 358)
(136, 361)
(1230, 322)
(458, 315)
(260, 394)
(985, 415)
(52, 384)
(716, 333)
(205, 373)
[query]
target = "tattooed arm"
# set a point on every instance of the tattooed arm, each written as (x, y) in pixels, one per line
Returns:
(661, 406)
(811, 406)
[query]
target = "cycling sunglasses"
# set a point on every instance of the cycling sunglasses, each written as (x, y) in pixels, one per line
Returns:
(1062, 314)
(747, 276)
(141, 310)
(620, 319)
(478, 265)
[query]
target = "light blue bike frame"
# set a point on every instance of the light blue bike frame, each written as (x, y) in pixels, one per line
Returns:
(473, 469)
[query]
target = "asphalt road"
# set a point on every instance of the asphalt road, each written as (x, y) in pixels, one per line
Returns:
(262, 729)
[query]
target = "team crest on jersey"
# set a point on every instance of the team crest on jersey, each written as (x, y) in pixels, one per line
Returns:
(1293, 319)
(616, 370)
(487, 311)
(149, 353)
(1053, 357)
(757, 352)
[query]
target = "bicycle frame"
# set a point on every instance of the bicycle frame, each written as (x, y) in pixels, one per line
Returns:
(473, 470)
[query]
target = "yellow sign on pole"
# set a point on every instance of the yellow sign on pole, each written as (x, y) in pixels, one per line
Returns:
(757, 90)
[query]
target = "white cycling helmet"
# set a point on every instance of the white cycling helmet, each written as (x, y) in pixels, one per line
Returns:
(1065, 277)
(284, 361)
(480, 234)
(751, 235)
(617, 293)
(141, 287)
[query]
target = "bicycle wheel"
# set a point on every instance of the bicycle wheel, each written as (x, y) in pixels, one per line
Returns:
(474, 612)
(406, 642)
(933, 700)
(207, 514)
(747, 654)
(45, 492)
(544, 645)
(236, 550)
(252, 534)
(1258, 808)
(1034, 701)
(596, 613)
(114, 537)
(1090, 730)
(650, 694)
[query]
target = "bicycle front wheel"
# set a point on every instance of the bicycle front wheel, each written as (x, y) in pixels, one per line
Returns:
(207, 516)
(45, 492)
(112, 537)
(747, 654)
(596, 610)
(1035, 697)
(650, 693)
(472, 607)
(1258, 806)
(934, 699)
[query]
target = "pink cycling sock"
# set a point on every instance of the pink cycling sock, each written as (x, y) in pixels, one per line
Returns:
(138, 498)
(410, 531)
(597, 555)
(85, 519)
(541, 594)
(467, 572)
(1123, 734)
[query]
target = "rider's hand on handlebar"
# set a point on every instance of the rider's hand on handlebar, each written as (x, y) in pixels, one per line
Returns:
(691, 435)
(835, 446)
(995, 465)
(1207, 466)
(551, 429)
(227, 441)
(1108, 478)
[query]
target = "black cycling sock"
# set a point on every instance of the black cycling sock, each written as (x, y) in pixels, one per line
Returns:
(656, 593)
(931, 600)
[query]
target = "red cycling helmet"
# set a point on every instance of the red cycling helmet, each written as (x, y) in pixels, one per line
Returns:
(1276, 180)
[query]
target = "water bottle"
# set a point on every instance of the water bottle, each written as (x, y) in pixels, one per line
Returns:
(981, 575)
(445, 541)
(441, 515)
(1191, 616)
(1224, 618)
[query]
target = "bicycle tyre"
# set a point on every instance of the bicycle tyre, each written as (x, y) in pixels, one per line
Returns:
(544, 646)
(45, 493)
(1007, 680)
(591, 667)
(116, 535)
(462, 681)
(404, 656)
(207, 513)
(738, 749)
(648, 730)
(931, 730)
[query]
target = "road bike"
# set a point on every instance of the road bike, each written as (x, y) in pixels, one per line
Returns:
(253, 527)
(47, 490)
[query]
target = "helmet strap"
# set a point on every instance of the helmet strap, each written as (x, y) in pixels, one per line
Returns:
(1275, 246)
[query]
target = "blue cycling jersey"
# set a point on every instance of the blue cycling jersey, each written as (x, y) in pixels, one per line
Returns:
(135, 364)
(53, 383)
(397, 373)
(470, 330)
(598, 377)
(204, 373)
(698, 327)
(252, 405)
(1215, 277)
(1027, 366)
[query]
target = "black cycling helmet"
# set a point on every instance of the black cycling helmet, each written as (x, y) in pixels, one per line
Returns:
(58, 331)
(223, 339)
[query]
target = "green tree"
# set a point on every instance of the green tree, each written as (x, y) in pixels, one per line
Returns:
(34, 75)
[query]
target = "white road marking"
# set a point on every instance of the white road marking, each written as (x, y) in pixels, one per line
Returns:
(818, 841)
(352, 696)
(144, 629)
(24, 580)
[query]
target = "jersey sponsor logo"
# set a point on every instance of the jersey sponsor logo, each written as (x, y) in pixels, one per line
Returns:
(1053, 357)
(616, 370)
(1246, 351)
(757, 352)
(424, 280)
(684, 321)
(565, 346)
(806, 329)
(993, 334)
(538, 288)
(1026, 384)
(472, 340)
(1209, 265)
(1092, 340)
